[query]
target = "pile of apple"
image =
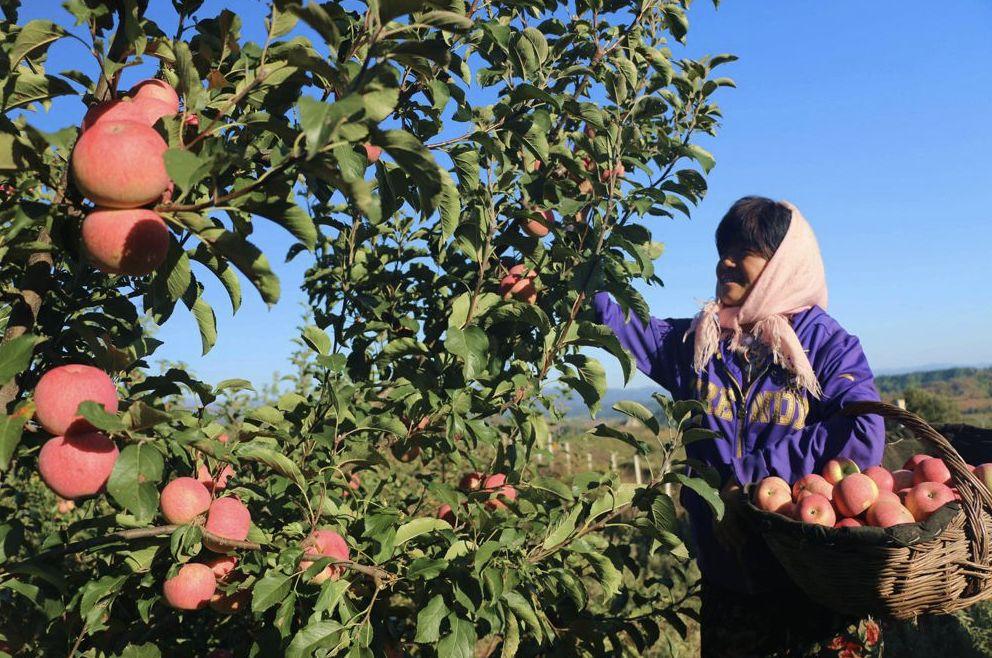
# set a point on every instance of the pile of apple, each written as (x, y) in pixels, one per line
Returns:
(844, 497)
(118, 164)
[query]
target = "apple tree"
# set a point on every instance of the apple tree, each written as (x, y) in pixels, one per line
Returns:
(462, 177)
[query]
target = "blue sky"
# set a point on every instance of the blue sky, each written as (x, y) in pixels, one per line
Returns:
(872, 117)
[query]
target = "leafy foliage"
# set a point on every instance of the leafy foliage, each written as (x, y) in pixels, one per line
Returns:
(414, 370)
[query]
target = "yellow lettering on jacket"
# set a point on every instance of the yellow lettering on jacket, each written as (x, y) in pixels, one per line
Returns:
(784, 407)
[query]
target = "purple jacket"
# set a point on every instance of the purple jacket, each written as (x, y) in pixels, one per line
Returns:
(767, 428)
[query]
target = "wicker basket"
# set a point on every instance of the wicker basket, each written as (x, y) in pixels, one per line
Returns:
(935, 567)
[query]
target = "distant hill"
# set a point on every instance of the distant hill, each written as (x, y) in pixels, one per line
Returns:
(970, 389)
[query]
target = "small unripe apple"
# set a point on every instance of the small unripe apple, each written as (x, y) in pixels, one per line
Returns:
(183, 500)
(191, 588)
(120, 164)
(61, 390)
(326, 543)
(77, 465)
(500, 489)
(157, 90)
(134, 241)
(228, 518)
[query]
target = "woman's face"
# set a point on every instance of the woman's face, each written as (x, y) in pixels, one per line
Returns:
(736, 273)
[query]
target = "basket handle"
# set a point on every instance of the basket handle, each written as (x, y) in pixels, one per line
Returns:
(974, 495)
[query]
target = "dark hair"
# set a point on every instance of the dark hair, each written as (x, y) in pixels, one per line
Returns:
(755, 225)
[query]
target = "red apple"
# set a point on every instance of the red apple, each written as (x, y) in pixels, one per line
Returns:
(911, 463)
(984, 473)
(326, 543)
(191, 588)
(772, 494)
(902, 479)
(222, 566)
(500, 489)
(887, 513)
(471, 481)
(888, 496)
(836, 470)
(77, 465)
(882, 477)
(855, 494)
(812, 483)
(183, 500)
(214, 483)
(61, 390)
(228, 518)
(932, 470)
(372, 152)
(445, 513)
(817, 510)
(926, 498)
(848, 522)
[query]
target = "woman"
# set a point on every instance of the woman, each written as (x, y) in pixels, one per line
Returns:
(773, 371)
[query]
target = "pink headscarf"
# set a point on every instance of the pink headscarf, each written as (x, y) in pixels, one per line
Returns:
(793, 281)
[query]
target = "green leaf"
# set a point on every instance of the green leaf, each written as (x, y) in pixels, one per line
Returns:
(429, 620)
(522, 609)
(563, 528)
(133, 481)
(220, 269)
(99, 417)
(613, 500)
(206, 322)
(446, 20)
(472, 346)
(663, 514)
(590, 382)
(701, 487)
(702, 156)
(15, 356)
(413, 158)
(25, 88)
(33, 35)
(270, 590)
(140, 416)
(274, 460)
(448, 203)
(185, 168)
(289, 215)
(315, 635)
(609, 577)
(460, 643)
(460, 307)
(511, 638)
(11, 429)
(245, 256)
(638, 411)
(317, 339)
(418, 527)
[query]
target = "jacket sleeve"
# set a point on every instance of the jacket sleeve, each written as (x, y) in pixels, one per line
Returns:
(844, 376)
(653, 345)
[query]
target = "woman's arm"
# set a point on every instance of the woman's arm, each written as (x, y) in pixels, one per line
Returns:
(651, 344)
(845, 376)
